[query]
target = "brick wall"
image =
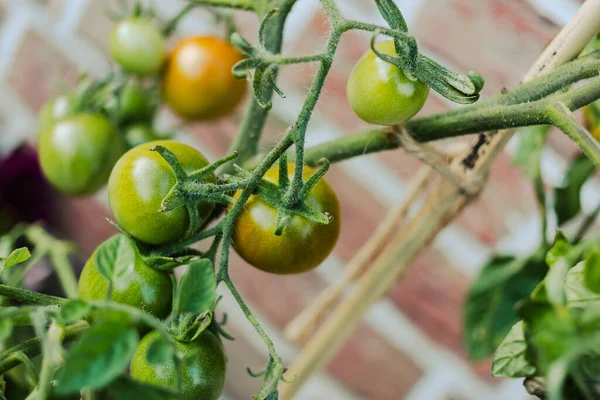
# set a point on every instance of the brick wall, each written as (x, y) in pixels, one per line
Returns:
(409, 345)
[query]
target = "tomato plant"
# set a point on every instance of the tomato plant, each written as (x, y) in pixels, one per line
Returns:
(138, 45)
(536, 314)
(202, 373)
(78, 152)
(197, 80)
(136, 284)
(302, 246)
(139, 182)
(380, 93)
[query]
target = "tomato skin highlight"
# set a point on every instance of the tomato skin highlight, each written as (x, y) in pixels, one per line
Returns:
(143, 287)
(203, 375)
(140, 181)
(78, 152)
(138, 45)
(54, 110)
(302, 246)
(197, 81)
(380, 93)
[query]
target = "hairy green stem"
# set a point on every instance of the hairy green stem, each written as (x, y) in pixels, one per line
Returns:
(238, 4)
(247, 140)
(29, 297)
(563, 119)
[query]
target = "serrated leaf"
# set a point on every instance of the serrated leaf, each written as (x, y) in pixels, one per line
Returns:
(160, 352)
(509, 358)
(17, 256)
(577, 292)
(115, 258)
(73, 310)
(489, 311)
(197, 290)
(568, 197)
(125, 388)
(101, 354)
(592, 271)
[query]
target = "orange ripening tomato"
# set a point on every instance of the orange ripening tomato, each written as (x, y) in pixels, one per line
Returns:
(198, 83)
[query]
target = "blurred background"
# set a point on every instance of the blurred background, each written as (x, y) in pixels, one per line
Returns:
(409, 345)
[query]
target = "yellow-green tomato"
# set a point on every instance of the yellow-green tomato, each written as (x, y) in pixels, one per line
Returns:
(138, 45)
(138, 184)
(137, 284)
(54, 110)
(380, 93)
(78, 152)
(203, 367)
(303, 244)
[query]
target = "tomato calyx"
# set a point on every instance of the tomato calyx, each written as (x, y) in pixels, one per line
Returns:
(191, 189)
(287, 199)
(188, 327)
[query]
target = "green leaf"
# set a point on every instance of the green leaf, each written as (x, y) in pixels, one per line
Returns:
(555, 281)
(17, 256)
(115, 258)
(532, 140)
(125, 388)
(73, 310)
(577, 292)
(592, 271)
(561, 248)
(197, 290)
(101, 354)
(160, 351)
(489, 311)
(568, 202)
(509, 358)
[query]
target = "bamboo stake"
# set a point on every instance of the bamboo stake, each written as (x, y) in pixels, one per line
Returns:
(443, 205)
(303, 326)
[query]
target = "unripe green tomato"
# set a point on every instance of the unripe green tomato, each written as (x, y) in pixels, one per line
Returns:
(203, 369)
(135, 103)
(302, 246)
(140, 286)
(54, 110)
(138, 184)
(140, 133)
(78, 152)
(380, 93)
(138, 45)
(591, 114)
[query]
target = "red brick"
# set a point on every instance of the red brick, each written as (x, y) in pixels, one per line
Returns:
(40, 71)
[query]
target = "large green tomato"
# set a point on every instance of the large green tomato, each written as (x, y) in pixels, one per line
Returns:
(140, 181)
(302, 246)
(78, 152)
(203, 367)
(138, 45)
(138, 285)
(54, 110)
(380, 93)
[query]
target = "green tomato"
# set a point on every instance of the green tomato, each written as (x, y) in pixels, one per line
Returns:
(139, 286)
(203, 367)
(140, 181)
(380, 93)
(54, 110)
(141, 133)
(135, 102)
(138, 45)
(302, 246)
(78, 152)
